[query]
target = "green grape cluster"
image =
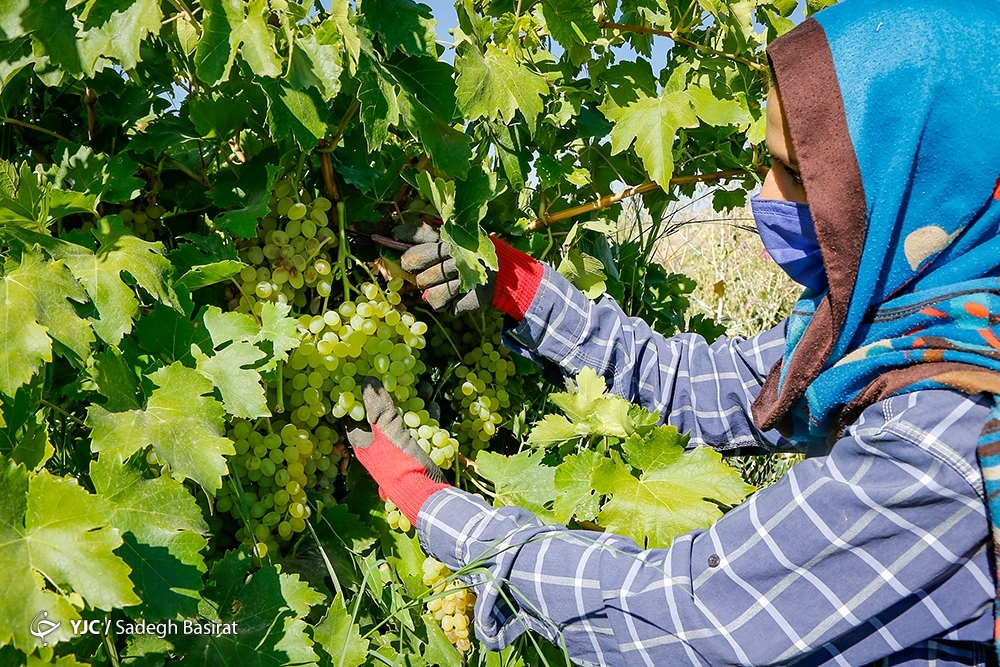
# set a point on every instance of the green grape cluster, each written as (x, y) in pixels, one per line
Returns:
(277, 463)
(368, 336)
(141, 218)
(479, 395)
(452, 604)
(289, 260)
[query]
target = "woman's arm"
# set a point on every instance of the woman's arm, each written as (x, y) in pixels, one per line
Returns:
(705, 390)
(851, 557)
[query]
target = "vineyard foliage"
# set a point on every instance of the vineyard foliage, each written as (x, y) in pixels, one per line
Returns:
(194, 202)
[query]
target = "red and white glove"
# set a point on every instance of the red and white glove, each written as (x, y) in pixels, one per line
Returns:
(403, 471)
(510, 289)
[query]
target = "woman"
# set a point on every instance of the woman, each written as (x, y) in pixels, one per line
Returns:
(883, 202)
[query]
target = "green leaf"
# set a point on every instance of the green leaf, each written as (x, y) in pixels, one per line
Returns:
(718, 112)
(585, 272)
(301, 114)
(227, 25)
(668, 498)
(575, 495)
(209, 274)
(427, 82)
(403, 24)
(163, 536)
(169, 335)
(339, 638)
(35, 310)
(341, 16)
(24, 438)
(278, 328)
(448, 148)
(439, 651)
(551, 431)
(378, 110)
(108, 179)
(571, 22)
(813, 6)
(315, 61)
(471, 246)
(115, 380)
(652, 122)
(496, 85)
(116, 28)
(519, 480)
(245, 195)
(241, 388)
(183, 425)
(100, 272)
(270, 628)
(52, 529)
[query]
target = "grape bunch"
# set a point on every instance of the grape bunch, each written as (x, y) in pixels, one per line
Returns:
(368, 336)
(289, 260)
(479, 395)
(452, 605)
(141, 218)
(277, 463)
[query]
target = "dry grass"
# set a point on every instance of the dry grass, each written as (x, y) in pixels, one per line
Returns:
(738, 283)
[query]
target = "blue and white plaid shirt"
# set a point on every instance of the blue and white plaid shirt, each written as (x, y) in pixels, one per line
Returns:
(874, 553)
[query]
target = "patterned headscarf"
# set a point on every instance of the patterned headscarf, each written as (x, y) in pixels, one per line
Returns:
(893, 108)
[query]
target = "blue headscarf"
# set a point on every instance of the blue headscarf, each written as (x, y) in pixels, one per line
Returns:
(892, 107)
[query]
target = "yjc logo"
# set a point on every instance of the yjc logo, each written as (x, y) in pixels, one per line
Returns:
(41, 627)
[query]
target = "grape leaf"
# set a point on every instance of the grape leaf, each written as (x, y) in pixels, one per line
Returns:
(652, 122)
(163, 536)
(339, 638)
(519, 480)
(403, 24)
(439, 650)
(570, 22)
(50, 527)
(449, 148)
(64, 661)
(100, 274)
(245, 194)
(115, 29)
(270, 628)
(240, 386)
(169, 335)
(108, 179)
(585, 272)
(183, 425)
(668, 498)
(714, 111)
(497, 85)
(227, 25)
(575, 495)
(35, 310)
(24, 434)
(378, 109)
(315, 61)
(301, 114)
(552, 430)
(278, 328)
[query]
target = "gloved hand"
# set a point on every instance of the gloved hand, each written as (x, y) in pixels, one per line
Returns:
(403, 471)
(437, 275)
(510, 289)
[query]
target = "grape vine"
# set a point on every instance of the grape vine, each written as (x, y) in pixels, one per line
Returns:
(197, 202)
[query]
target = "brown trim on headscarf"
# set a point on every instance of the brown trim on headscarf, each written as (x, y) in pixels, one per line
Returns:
(964, 377)
(810, 93)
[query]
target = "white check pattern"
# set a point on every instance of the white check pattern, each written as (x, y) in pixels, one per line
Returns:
(875, 553)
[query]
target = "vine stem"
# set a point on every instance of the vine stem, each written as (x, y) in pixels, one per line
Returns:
(36, 128)
(53, 406)
(353, 109)
(329, 566)
(648, 186)
(342, 250)
(643, 30)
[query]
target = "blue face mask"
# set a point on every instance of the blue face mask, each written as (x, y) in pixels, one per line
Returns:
(787, 230)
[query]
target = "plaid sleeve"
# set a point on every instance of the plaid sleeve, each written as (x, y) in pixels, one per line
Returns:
(875, 552)
(704, 390)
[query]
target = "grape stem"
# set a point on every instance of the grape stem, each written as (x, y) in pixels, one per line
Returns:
(280, 407)
(342, 251)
